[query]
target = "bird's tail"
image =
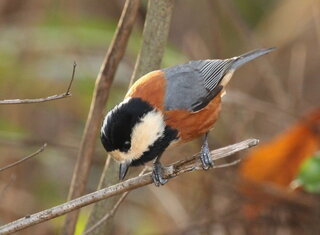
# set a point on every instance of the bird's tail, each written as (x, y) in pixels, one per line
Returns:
(251, 55)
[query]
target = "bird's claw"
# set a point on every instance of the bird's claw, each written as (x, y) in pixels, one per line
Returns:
(157, 174)
(205, 155)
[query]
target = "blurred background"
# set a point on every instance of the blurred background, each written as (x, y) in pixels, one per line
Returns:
(275, 99)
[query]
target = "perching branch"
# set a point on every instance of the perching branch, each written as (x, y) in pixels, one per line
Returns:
(40, 100)
(23, 159)
(101, 92)
(190, 164)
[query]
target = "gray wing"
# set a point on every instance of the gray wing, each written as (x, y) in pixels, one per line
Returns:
(211, 71)
(192, 86)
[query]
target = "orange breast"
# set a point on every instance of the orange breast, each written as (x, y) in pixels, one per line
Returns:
(192, 125)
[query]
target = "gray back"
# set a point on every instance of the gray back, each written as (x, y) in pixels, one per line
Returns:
(191, 84)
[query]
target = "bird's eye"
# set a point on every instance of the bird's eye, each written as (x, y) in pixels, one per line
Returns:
(126, 145)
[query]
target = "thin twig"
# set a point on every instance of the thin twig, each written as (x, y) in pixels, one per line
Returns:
(38, 100)
(44, 99)
(72, 78)
(23, 159)
(113, 211)
(171, 171)
(235, 162)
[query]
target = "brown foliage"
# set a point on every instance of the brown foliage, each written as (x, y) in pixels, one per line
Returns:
(278, 160)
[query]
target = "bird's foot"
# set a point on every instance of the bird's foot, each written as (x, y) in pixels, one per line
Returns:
(157, 174)
(205, 155)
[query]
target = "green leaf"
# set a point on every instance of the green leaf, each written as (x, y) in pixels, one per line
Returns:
(309, 174)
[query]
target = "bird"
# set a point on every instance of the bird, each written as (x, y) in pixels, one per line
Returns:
(168, 107)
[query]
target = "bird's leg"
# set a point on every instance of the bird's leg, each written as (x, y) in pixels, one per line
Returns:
(205, 155)
(157, 173)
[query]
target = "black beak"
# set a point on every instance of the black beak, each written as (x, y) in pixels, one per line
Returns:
(123, 169)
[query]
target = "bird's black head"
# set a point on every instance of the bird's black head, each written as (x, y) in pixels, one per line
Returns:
(134, 132)
(119, 122)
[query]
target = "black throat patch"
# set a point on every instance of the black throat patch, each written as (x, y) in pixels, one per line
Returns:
(158, 147)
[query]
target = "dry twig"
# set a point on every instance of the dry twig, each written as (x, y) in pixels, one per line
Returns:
(23, 159)
(190, 164)
(40, 100)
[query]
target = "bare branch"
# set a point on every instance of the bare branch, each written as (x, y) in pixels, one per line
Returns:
(23, 159)
(72, 78)
(38, 100)
(45, 99)
(190, 164)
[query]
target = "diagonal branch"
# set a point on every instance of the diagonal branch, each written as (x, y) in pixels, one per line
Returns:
(187, 165)
(45, 99)
(23, 159)
(38, 100)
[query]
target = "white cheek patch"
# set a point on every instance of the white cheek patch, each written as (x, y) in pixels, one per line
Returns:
(117, 155)
(145, 133)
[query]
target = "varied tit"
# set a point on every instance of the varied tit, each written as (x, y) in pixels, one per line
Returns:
(167, 107)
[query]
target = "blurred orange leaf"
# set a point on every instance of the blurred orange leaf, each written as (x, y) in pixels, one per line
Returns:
(278, 161)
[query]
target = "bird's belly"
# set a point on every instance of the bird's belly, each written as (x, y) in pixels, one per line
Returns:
(191, 125)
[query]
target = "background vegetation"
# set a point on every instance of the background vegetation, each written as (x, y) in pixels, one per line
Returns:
(39, 42)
